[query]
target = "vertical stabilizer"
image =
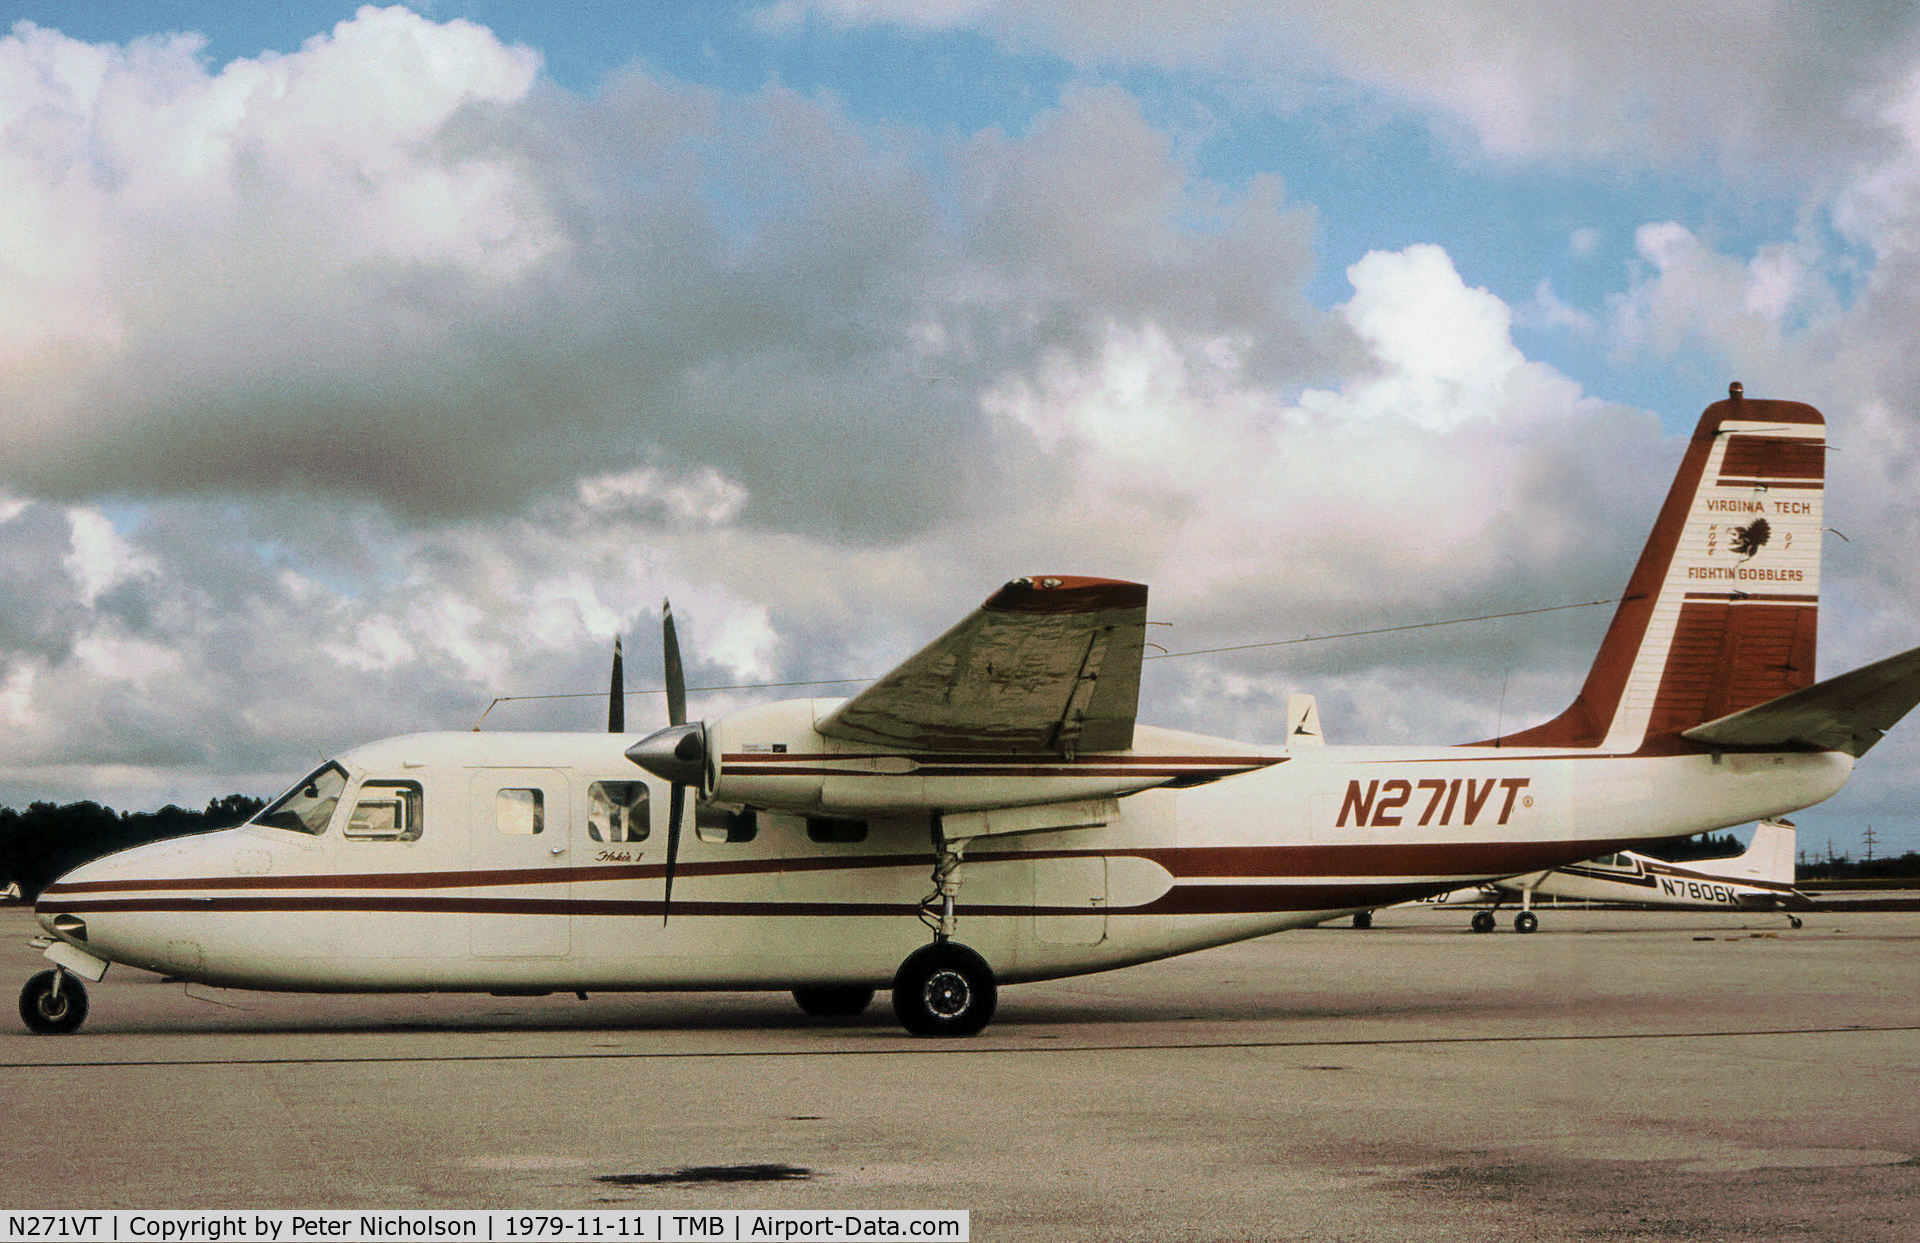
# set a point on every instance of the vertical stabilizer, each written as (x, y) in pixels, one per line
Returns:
(1722, 611)
(1769, 856)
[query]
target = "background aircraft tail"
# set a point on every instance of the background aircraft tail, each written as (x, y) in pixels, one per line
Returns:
(1722, 610)
(1768, 857)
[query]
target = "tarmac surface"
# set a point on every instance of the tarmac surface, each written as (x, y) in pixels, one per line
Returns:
(1616, 1075)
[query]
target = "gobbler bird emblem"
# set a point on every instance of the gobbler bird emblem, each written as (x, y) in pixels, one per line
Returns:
(1750, 539)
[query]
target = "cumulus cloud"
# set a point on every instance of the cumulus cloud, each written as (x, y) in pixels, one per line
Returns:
(1782, 83)
(1424, 486)
(393, 266)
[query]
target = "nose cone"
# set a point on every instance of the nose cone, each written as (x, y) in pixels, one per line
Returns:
(127, 907)
(53, 909)
(677, 754)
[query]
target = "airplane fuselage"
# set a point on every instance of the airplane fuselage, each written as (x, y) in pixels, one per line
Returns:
(504, 872)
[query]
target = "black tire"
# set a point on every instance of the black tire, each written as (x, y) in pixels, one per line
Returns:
(51, 1015)
(834, 1001)
(1483, 921)
(1525, 921)
(1795, 920)
(944, 989)
(1363, 920)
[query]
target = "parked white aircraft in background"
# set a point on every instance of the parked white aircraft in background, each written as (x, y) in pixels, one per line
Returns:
(1004, 757)
(1760, 878)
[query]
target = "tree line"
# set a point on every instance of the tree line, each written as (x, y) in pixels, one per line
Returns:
(48, 840)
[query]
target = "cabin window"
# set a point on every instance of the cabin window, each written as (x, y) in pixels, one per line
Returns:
(836, 829)
(519, 812)
(386, 811)
(309, 805)
(617, 811)
(715, 824)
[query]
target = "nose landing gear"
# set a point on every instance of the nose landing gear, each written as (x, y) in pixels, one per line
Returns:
(53, 1003)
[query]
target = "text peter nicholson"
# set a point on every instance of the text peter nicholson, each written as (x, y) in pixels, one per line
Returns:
(490, 1226)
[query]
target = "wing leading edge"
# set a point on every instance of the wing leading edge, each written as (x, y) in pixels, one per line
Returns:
(1048, 665)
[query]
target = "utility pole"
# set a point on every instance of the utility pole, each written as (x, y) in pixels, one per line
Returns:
(1870, 841)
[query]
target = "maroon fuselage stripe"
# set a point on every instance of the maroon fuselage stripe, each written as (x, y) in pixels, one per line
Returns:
(1181, 862)
(1182, 900)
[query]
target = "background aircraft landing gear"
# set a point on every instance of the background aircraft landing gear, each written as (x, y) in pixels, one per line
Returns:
(53, 1002)
(1795, 921)
(1483, 921)
(944, 989)
(834, 1001)
(1525, 921)
(1363, 920)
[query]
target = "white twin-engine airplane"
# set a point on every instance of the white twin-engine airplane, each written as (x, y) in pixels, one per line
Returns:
(1760, 878)
(1062, 838)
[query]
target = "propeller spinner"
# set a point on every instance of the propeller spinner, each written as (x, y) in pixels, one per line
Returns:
(676, 754)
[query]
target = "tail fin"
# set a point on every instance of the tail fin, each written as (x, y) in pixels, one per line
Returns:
(1769, 856)
(1722, 611)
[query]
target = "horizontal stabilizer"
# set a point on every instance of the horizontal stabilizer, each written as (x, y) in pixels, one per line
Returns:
(1848, 713)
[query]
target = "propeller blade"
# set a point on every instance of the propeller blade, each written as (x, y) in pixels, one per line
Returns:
(676, 676)
(675, 806)
(617, 694)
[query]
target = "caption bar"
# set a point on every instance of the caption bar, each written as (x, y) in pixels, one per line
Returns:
(304, 1226)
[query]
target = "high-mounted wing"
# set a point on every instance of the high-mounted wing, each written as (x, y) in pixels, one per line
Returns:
(1048, 665)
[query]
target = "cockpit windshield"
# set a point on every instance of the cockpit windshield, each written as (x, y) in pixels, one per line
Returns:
(309, 805)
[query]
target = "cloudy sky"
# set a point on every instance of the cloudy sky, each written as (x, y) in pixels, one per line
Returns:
(362, 365)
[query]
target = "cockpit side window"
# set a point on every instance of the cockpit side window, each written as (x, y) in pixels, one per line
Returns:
(617, 811)
(386, 811)
(309, 805)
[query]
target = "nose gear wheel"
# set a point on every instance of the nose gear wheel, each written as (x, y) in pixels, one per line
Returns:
(53, 1003)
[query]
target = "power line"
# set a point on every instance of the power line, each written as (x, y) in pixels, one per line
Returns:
(1202, 651)
(1355, 634)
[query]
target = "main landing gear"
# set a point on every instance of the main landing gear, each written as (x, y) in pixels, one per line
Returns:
(944, 989)
(834, 1001)
(1524, 921)
(53, 1003)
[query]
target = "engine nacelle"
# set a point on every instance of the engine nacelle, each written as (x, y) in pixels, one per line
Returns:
(772, 756)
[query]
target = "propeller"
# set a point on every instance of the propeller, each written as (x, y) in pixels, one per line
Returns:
(676, 754)
(617, 694)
